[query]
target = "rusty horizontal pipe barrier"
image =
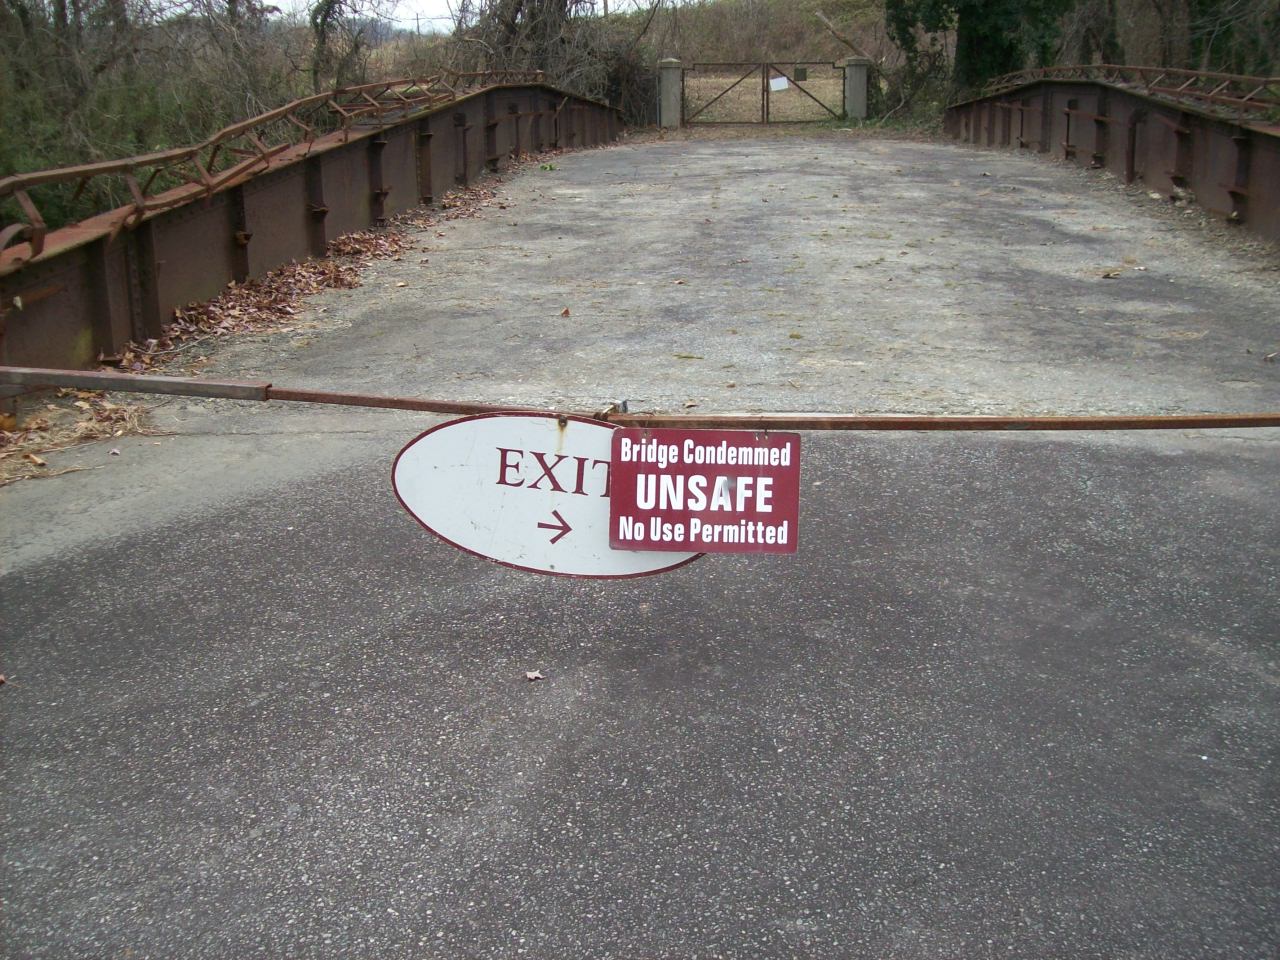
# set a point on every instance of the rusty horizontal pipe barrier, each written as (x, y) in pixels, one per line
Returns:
(35, 377)
(390, 403)
(926, 424)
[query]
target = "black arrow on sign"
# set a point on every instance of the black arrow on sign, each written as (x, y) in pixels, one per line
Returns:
(562, 527)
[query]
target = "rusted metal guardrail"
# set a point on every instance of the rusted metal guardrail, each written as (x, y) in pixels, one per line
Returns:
(1209, 137)
(257, 195)
(263, 391)
(1235, 95)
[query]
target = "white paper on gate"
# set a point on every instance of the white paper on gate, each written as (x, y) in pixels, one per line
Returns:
(528, 490)
(778, 84)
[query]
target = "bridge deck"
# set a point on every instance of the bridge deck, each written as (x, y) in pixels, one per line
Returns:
(871, 276)
(1015, 696)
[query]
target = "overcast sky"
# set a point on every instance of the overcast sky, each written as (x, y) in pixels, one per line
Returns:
(437, 12)
(432, 12)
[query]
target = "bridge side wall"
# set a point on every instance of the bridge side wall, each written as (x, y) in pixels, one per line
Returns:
(94, 290)
(1231, 169)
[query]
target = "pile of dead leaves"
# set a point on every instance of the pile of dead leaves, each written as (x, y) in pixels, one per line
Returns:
(467, 202)
(369, 245)
(459, 204)
(276, 298)
(263, 303)
(72, 417)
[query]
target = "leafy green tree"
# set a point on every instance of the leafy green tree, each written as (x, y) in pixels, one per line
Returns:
(992, 36)
(1236, 36)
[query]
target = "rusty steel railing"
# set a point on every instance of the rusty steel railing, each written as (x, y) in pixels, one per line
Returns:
(1247, 96)
(1207, 138)
(241, 150)
(185, 224)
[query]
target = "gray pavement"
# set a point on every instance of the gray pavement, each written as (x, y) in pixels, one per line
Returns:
(863, 275)
(1016, 695)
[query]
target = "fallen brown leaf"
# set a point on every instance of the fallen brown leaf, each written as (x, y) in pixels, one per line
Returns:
(564, 312)
(269, 301)
(61, 425)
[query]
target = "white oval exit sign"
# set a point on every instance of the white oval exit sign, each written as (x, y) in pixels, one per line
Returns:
(526, 490)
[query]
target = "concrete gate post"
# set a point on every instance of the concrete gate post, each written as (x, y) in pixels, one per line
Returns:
(669, 93)
(856, 70)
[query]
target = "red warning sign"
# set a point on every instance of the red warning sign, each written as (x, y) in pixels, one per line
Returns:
(714, 491)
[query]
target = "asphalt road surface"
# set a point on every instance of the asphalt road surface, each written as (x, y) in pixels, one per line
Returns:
(1016, 696)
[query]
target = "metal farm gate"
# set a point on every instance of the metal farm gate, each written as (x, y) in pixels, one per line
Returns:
(790, 92)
